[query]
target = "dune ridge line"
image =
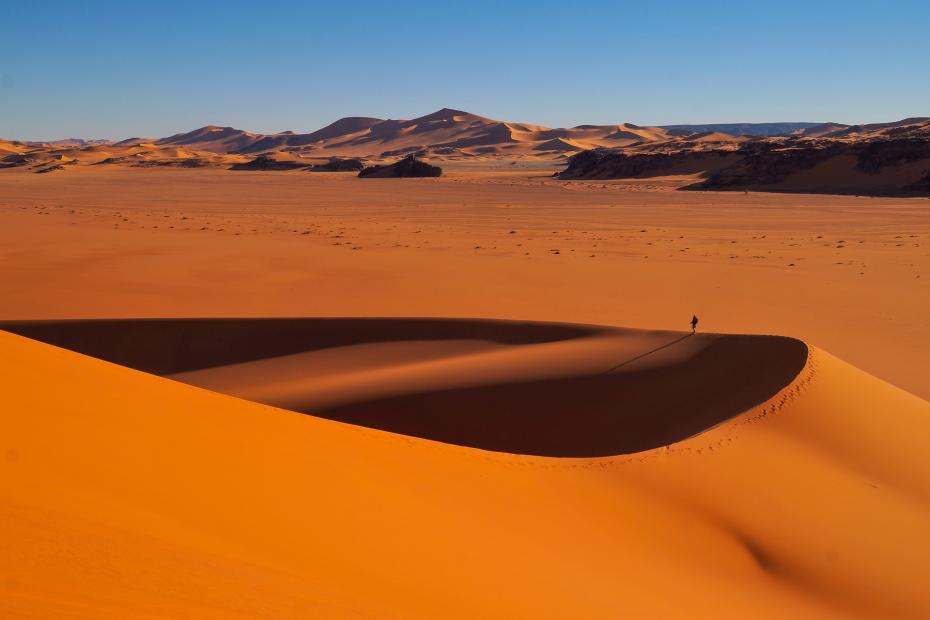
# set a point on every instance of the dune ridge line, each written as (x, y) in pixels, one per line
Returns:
(544, 389)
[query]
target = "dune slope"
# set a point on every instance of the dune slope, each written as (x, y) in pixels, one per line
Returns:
(131, 495)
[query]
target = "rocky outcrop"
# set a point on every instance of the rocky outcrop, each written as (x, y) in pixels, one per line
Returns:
(15, 160)
(890, 163)
(263, 162)
(760, 165)
(606, 164)
(874, 156)
(610, 164)
(921, 186)
(189, 162)
(338, 165)
(408, 167)
(874, 167)
(55, 168)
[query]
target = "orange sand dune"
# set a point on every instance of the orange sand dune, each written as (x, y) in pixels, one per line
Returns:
(127, 495)
(444, 134)
(9, 146)
(136, 154)
(499, 386)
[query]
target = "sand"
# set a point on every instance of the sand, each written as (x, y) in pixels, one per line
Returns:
(130, 495)
(195, 474)
(850, 275)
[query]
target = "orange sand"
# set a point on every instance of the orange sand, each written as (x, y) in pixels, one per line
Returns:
(850, 275)
(127, 495)
(130, 495)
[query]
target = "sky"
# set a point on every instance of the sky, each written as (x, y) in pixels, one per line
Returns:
(115, 69)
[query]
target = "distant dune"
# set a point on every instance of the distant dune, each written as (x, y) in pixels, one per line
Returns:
(760, 481)
(446, 134)
(8, 146)
(887, 159)
(133, 153)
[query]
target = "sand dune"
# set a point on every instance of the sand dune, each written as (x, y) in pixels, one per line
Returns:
(133, 154)
(851, 130)
(823, 129)
(510, 387)
(130, 495)
(446, 134)
(213, 138)
(9, 146)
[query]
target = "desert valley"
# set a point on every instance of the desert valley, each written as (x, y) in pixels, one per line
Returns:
(453, 367)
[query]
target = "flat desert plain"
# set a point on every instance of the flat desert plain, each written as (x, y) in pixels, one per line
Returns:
(484, 401)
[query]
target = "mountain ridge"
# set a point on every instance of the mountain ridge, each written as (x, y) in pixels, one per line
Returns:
(456, 131)
(451, 130)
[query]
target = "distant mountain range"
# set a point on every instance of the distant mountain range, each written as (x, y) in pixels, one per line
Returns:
(880, 158)
(449, 133)
(752, 129)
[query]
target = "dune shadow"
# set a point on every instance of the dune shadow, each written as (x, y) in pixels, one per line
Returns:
(592, 415)
(645, 355)
(170, 346)
(600, 415)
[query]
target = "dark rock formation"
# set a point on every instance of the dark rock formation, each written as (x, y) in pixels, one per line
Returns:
(761, 165)
(408, 167)
(264, 162)
(605, 164)
(407, 151)
(873, 156)
(190, 162)
(767, 166)
(138, 162)
(921, 186)
(15, 160)
(112, 160)
(608, 164)
(338, 165)
(888, 163)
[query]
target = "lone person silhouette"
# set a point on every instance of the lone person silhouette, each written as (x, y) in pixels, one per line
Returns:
(694, 322)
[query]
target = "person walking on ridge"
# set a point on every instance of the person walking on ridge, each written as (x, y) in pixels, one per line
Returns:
(694, 322)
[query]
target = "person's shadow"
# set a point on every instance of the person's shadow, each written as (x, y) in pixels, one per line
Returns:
(642, 355)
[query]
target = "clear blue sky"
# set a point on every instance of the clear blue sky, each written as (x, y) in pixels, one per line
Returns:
(113, 69)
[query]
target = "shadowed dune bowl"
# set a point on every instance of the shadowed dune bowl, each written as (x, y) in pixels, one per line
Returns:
(520, 387)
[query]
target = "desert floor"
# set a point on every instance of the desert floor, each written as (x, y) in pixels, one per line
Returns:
(847, 274)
